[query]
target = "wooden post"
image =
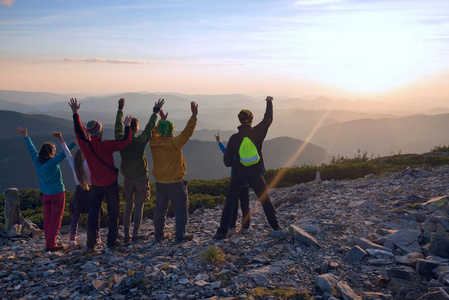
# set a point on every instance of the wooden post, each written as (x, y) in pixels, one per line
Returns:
(12, 208)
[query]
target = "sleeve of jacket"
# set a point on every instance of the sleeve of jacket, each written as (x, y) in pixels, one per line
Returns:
(79, 130)
(230, 152)
(118, 134)
(68, 154)
(222, 147)
(120, 144)
(58, 158)
(182, 139)
(145, 136)
(267, 119)
(33, 152)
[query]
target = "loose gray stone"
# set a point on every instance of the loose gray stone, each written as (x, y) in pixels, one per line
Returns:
(347, 292)
(301, 236)
(405, 273)
(439, 245)
(425, 267)
(367, 244)
(406, 240)
(356, 254)
(327, 282)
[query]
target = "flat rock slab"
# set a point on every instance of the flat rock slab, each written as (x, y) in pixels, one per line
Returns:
(302, 236)
(406, 240)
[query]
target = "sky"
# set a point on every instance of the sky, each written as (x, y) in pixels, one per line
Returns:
(375, 49)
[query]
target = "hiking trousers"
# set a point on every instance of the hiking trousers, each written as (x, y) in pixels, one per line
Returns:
(135, 193)
(97, 193)
(258, 184)
(176, 193)
(53, 212)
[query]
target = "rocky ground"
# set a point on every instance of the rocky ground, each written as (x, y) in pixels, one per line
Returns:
(372, 238)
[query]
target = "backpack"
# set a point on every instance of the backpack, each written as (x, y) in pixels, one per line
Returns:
(248, 153)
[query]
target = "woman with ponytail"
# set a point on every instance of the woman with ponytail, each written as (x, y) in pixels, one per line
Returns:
(80, 199)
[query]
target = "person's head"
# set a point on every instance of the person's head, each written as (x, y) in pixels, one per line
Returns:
(134, 125)
(94, 128)
(47, 151)
(245, 117)
(166, 128)
(81, 175)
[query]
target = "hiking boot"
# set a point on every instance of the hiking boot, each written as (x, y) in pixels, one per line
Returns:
(278, 228)
(57, 248)
(90, 250)
(219, 236)
(127, 240)
(166, 236)
(115, 245)
(137, 238)
(232, 232)
(243, 231)
(73, 244)
(187, 237)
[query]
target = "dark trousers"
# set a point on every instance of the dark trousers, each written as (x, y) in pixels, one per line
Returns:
(177, 194)
(258, 184)
(111, 193)
(244, 205)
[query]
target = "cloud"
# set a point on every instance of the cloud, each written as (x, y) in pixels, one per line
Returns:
(108, 61)
(8, 2)
(315, 2)
(142, 62)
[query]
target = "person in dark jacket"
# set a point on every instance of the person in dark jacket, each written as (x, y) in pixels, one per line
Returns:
(253, 175)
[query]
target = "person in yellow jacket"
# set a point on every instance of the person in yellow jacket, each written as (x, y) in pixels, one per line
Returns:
(169, 169)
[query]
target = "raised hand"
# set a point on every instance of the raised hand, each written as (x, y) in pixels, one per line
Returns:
(22, 131)
(128, 120)
(194, 108)
(58, 135)
(217, 137)
(74, 105)
(163, 116)
(269, 99)
(121, 102)
(159, 103)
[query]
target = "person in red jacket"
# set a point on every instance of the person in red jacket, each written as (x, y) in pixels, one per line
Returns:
(103, 173)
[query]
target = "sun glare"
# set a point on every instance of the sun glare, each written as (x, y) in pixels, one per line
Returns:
(371, 57)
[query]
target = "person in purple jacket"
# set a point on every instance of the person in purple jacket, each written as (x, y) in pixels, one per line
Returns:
(244, 202)
(51, 186)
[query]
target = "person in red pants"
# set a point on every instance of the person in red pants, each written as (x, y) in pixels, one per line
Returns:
(51, 186)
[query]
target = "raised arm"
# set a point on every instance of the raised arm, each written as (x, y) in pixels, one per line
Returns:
(78, 128)
(31, 148)
(147, 132)
(119, 120)
(220, 144)
(58, 158)
(268, 116)
(180, 140)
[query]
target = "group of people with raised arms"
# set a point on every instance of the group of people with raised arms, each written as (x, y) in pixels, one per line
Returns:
(96, 176)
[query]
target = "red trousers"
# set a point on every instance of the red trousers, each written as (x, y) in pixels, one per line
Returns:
(53, 212)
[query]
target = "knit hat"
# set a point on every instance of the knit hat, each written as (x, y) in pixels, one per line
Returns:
(94, 127)
(166, 128)
(245, 117)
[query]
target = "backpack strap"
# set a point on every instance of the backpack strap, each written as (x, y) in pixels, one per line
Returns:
(115, 169)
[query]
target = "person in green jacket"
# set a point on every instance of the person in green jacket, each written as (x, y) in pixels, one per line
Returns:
(134, 167)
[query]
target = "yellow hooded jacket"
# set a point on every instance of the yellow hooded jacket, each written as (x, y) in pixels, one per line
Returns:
(168, 162)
